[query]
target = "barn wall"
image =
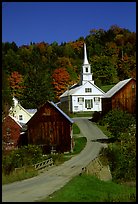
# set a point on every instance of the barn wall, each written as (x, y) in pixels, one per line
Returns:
(10, 131)
(50, 128)
(125, 99)
(106, 105)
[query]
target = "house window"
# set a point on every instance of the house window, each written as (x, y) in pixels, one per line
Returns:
(86, 69)
(20, 117)
(80, 99)
(88, 103)
(88, 90)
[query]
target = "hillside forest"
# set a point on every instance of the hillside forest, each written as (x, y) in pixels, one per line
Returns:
(41, 71)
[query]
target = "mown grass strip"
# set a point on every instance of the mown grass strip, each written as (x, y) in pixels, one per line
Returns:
(87, 188)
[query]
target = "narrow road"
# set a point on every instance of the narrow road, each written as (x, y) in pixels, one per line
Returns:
(41, 186)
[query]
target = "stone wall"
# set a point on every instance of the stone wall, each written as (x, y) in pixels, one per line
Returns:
(96, 168)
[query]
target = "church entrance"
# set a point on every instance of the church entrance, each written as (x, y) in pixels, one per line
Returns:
(88, 103)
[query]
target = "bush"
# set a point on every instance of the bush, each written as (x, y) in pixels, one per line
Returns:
(24, 156)
(96, 116)
(118, 122)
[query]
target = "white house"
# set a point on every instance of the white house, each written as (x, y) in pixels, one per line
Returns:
(21, 114)
(84, 96)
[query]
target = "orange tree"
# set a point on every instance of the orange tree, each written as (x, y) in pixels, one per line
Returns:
(16, 83)
(61, 81)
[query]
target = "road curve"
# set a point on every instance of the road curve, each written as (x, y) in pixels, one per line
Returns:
(41, 186)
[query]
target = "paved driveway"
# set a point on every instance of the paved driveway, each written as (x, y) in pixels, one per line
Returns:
(46, 183)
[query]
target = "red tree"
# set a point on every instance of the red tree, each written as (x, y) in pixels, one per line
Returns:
(61, 81)
(16, 83)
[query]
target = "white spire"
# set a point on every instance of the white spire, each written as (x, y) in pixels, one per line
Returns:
(85, 55)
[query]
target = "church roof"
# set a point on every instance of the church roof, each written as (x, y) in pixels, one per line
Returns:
(76, 87)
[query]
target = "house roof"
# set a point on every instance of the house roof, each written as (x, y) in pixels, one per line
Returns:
(24, 109)
(76, 87)
(16, 103)
(31, 111)
(116, 88)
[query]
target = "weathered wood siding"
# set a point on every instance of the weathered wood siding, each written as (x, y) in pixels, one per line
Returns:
(106, 105)
(49, 128)
(124, 99)
(10, 132)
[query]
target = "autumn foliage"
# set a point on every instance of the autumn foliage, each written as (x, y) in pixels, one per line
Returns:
(16, 83)
(42, 71)
(61, 81)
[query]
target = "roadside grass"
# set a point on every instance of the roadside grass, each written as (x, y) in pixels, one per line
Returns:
(21, 174)
(81, 114)
(104, 130)
(87, 188)
(76, 129)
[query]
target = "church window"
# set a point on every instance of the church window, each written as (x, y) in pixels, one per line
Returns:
(88, 103)
(97, 99)
(88, 90)
(86, 69)
(75, 107)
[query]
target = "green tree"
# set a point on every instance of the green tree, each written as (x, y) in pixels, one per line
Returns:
(6, 94)
(38, 88)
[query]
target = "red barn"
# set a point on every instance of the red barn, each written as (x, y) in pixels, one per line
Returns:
(10, 132)
(50, 128)
(121, 96)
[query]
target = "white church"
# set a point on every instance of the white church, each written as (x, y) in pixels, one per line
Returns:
(84, 96)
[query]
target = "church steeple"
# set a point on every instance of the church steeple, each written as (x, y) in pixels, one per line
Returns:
(85, 56)
(86, 74)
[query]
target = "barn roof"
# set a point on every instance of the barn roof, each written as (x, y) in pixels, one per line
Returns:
(14, 120)
(116, 88)
(55, 106)
(64, 114)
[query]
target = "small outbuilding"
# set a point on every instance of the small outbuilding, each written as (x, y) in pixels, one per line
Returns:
(122, 96)
(50, 128)
(11, 130)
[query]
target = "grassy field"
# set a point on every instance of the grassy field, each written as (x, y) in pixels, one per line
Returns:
(107, 87)
(87, 188)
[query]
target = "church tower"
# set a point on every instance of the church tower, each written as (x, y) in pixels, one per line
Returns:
(86, 74)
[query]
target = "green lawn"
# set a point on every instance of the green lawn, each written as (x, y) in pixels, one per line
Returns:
(87, 188)
(107, 87)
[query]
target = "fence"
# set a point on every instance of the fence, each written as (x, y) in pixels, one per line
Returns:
(40, 165)
(43, 164)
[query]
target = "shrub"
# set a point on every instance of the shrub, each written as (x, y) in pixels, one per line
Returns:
(118, 122)
(96, 116)
(24, 156)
